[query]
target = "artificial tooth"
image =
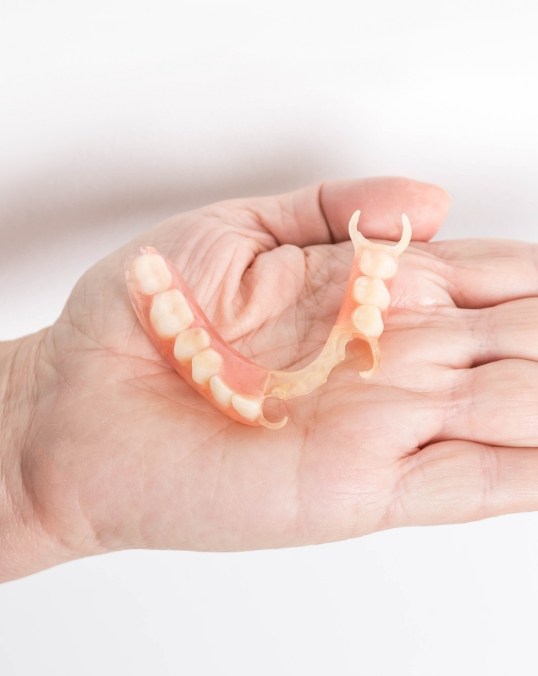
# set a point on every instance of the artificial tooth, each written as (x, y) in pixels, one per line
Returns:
(190, 342)
(367, 320)
(377, 263)
(204, 365)
(248, 407)
(170, 313)
(222, 393)
(371, 291)
(151, 274)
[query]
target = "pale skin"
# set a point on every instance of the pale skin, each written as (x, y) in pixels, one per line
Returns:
(104, 447)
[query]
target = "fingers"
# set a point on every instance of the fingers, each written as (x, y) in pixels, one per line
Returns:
(460, 339)
(487, 272)
(480, 367)
(456, 481)
(496, 403)
(319, 214)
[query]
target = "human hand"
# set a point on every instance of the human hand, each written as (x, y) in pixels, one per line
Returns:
(119, 452)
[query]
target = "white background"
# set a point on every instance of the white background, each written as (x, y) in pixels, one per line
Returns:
(116, 114)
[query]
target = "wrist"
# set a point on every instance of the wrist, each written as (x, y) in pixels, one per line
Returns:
(25, 544)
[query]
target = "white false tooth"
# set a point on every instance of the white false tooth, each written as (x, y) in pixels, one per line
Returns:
(367, 319)
(151, 274)
(371, 291)
(377, 263)
(248, 407)
(222, 393)
(170, 313)
(190, 342)
(204, 365)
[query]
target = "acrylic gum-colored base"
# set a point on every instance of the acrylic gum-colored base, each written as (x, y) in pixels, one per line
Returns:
(237, 386)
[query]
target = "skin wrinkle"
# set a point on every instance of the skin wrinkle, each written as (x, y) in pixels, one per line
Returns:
(231, 315)
(433, 467)
(266, 240)
(484, 335)
(145, 385)
(366, 500)
(208, 271)
(311, 291)
(397, 511)
(320, 289)
(260, 484)
(30, 392)
(323, 271)
(319, 193)
(240, 258)
(490, 474)
(301, 455)
(451, 280)
(297, 273)
(475, 429)
(373, 507)
(454, 404)
(301, 324)
(193, 268)
(216, 489)
(287, 215)
(12, 507)
(440, 271)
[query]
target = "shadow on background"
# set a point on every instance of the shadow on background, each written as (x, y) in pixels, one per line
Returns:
(83, 193)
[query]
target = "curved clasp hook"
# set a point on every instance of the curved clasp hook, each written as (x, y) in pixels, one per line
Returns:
(359, 239)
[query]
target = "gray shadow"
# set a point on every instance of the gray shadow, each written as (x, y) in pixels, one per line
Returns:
(60, 201)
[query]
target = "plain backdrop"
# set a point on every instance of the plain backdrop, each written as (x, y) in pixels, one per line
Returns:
(114, 115)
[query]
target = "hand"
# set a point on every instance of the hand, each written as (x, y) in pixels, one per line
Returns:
(121, 453)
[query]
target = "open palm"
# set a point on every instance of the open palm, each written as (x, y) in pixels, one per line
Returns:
(123, 453)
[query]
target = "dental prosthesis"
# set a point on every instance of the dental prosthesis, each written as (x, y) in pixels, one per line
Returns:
(238, 387)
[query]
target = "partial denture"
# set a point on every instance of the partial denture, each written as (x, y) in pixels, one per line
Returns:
(237, 386)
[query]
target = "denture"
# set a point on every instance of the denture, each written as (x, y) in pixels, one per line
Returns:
(237, 386)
